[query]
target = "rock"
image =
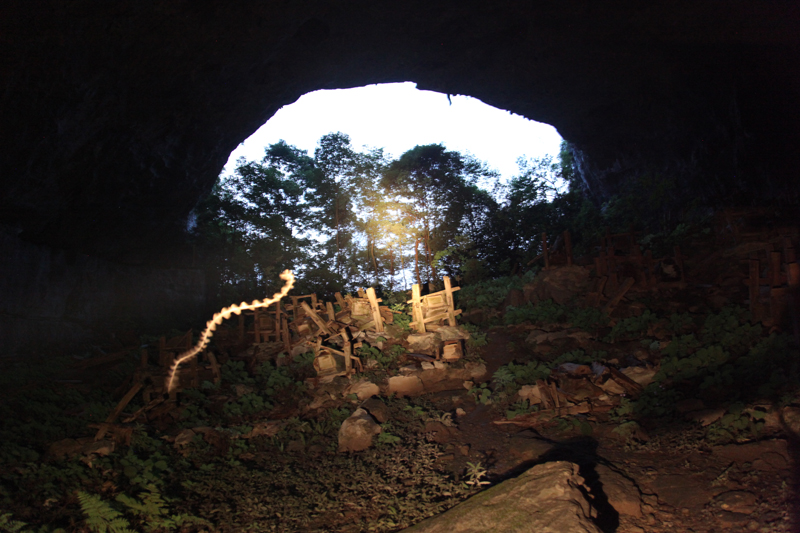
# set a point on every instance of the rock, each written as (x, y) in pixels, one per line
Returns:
(405, 385)
(737, 501)
(791, 418)
(706, 417)
(561, 284)
(425, 343)
(357, 432)
(428, 366)
(514, 298)
(363, 389)
(622, 493)
(530, 393)
(441, 433)
(678, 491)
(640, 374)
(548, 498)
(766, 450)
(460, 412)
(527, 448)
(241, 390)
(264, 428)
(183, 438)
(690, 404)
(450, 333)
(378, 409)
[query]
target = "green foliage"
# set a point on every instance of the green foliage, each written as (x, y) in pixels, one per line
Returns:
(100, 517)
(736, 425)
(475, 474)
(520, 374)
(247, 404)
(304, 359)
(587, 318)
(234, 372)
(546, 312)
(491, 293)
(7, 524)
(384, 359)
(629, 328)
(477, 337)
(519, 408)
(578, 357)
(482, 393)
(574, 423)
(385, 437)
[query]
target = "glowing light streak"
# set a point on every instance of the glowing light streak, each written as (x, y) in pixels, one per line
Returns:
(225, 314)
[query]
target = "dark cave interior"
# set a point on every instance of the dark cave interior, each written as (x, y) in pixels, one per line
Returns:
(116, 120)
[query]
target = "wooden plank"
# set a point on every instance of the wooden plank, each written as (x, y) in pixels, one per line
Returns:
(287, 338)
(376, 310)
(615, 299)
(212, 359)
(329, 309)
(753, 287)
(321, 324)
(340, 301)
(120, 406)
(416, 309)
(448, 292)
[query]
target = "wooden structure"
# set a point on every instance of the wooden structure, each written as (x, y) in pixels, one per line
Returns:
(433, 307)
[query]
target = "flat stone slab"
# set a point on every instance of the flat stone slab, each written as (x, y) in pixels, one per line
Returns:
(545, 499)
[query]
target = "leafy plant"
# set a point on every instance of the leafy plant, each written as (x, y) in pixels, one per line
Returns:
(546, 312)
(482, 393)
(100, 517)
(630, 327)
(475, 475)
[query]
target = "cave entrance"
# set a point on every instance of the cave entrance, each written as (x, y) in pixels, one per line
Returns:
(397, 117)
(339, 200)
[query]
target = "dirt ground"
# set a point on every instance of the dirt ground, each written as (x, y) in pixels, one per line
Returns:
(674, 482)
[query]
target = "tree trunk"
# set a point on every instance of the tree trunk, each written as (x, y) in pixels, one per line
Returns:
(416, 261)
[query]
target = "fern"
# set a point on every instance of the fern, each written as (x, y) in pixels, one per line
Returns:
(9, 525)
(100, 516)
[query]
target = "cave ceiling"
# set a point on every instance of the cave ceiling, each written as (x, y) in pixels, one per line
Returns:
(116, 117)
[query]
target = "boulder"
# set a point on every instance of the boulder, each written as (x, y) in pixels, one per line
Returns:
(425, 343)
(622, 493)
(560, 284)
(405, 386)
(548, 498)
(357, 432)
(363, 389)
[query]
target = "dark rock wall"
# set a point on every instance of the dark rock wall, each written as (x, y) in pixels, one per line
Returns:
(115, 117)
(54, 296)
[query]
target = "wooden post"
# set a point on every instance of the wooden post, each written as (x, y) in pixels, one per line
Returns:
(448, 292)
(753, 287)
(214, 366)
(568, 246)
(287, 338)
(340, 301)
(323, 327)
(256, 326)
(329, 309)
(348, 351)
(375, 308)
(416, 309)
(775, 269)
(679, 260)
(120, 406)
(544, 251)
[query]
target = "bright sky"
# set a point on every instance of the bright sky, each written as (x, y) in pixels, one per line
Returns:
(397, 117)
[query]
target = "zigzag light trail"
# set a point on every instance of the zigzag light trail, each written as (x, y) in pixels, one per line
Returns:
(226, 313)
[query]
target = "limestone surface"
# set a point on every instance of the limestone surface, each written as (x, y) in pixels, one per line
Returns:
(548, 498)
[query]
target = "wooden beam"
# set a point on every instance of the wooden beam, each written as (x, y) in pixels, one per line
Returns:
(448, 292)
(120, 406)
(416, 309)
(615, 299)
(375, 308)
(321, 324)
